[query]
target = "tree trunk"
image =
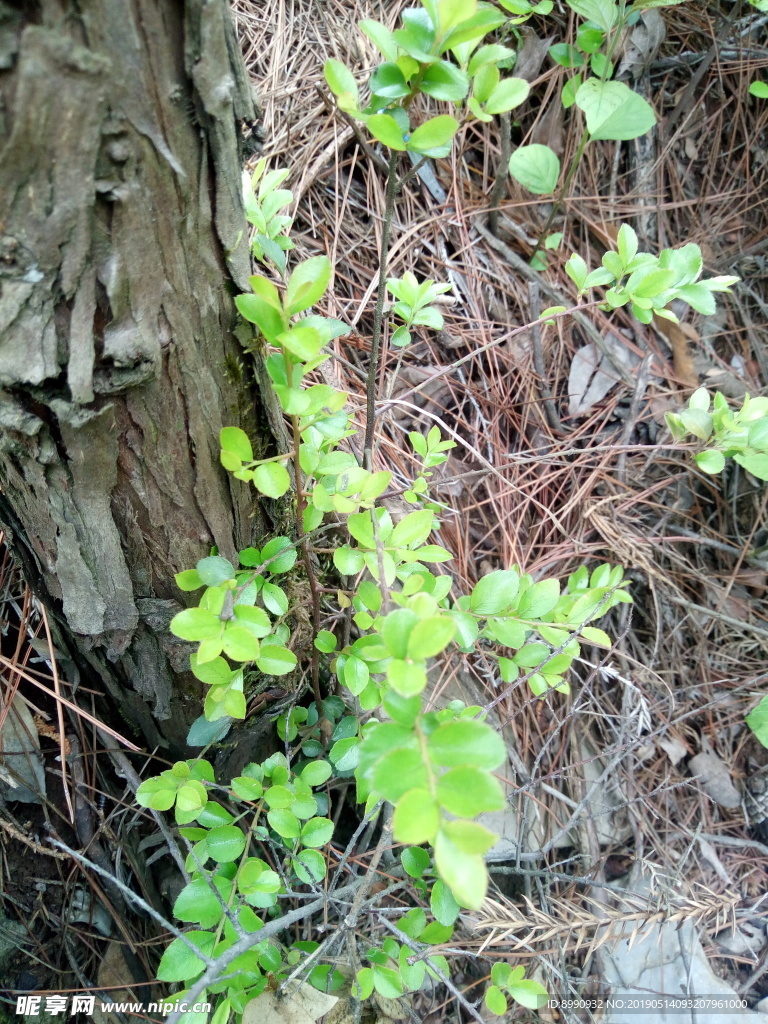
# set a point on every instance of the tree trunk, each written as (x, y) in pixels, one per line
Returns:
(122, 241)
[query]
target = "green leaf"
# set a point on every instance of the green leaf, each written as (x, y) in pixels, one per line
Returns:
(188, 580)
(225, 843)
(577, 270)
(445, 81)
(387, 982)
(528, 993)
(535, 167)
(254, 619)
(381, 38)
(479, 25)
(539, 599)
(325, 641)
(469, 836)
(491, 53)
(235, 441)
(341, 81)
(284, 822)
(566, 55)
(466, 742)
(310, 866)
(507, 95)
(464, 873)
(495, 592)
(349, 561)
(239, 643)
(397, 772)
(356, 675)
(417, 37)
(196, 624)
(469, 791)
(698, 297)
(317, 832)
(627, 244)
(271, 479)
(316, 773)
(602, 12)
(757, 465)
(402, 709)
(275, 661)
(274, 599)
(431, 636)
(345, 753)
(388, 82)
(442, 904)
(416, 818)
(757, 720)
(197, 902)
(412, 529)
(247, 788)
(415, 861)
(156, 793)
(495, 1000)
(256, 310)
(179, 963)
(386, 129)
(405, 677)
(759, 89)
(596, 636)
(613, 110)
(307, 285)
(433, 134)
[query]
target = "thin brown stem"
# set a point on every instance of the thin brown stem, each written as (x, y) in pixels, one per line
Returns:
(301, 504)
(502, 172)
(378, 316)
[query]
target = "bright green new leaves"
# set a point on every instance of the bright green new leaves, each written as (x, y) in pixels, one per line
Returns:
(649, 282)
(740, 434)
(414, 305)
(262, 210)
(535, 167)
(613, 110)
(525, 991)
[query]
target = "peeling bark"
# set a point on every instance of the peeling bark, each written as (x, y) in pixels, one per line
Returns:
(122, 240)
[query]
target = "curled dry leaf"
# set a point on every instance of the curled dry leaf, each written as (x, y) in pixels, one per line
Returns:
(302, 1005)
(715, 779)
(22, 776)
(593, 374)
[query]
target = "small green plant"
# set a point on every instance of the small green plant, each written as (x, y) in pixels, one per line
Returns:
(414, 305)
(509, 983)
(740, 434)
(649, 283)
(417, 61)
(263, 199)
(759, 89)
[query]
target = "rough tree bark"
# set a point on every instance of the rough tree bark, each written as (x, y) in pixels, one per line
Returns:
(122, 240)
